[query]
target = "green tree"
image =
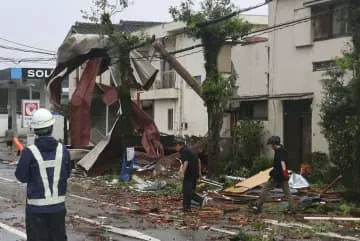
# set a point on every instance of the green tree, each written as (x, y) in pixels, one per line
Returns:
(340, 108)
(119, 45)
(216, 88)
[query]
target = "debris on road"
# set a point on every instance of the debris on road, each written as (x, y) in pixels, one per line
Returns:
(124, 232)
(333, 218)
(150, 186)
(297, 181)
(250, 182)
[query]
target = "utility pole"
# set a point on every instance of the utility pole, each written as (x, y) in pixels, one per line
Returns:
(159, 47)
(12, 105)
(30, 91)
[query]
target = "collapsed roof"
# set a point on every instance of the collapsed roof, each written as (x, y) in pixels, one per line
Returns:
(91, 49)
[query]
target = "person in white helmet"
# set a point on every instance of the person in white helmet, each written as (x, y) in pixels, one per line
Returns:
(45, 167)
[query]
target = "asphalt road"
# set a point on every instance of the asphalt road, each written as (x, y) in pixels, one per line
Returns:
(85, 216)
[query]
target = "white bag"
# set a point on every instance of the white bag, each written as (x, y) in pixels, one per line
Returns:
(297, 181)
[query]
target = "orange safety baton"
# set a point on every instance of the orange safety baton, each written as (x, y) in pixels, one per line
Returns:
(18, 144)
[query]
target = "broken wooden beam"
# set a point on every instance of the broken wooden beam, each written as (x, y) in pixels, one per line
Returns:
(331, 184)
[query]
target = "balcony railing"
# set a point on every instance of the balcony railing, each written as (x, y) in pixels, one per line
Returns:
(167, 80)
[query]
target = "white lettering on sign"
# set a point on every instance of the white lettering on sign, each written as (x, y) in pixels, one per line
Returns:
(38, 73)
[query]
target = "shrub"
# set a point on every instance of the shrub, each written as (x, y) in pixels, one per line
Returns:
(260, 163)
(248, 139)
(341, 127)
(322, 170)
(245, 156)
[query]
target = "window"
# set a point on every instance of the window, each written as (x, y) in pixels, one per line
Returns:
(65, 82)
(168, 76)
(170, 119)
(324, 65)
(197, 78)
(330, 22)
(253, 110)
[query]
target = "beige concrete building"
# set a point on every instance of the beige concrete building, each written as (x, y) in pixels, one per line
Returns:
(175, 107)
(285, 89)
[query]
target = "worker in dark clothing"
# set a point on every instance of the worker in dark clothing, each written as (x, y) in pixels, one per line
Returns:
(9, 140)
(45, 167)
(279, 176)
(189, 175)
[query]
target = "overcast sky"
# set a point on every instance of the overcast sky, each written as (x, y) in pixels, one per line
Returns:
(44, 23)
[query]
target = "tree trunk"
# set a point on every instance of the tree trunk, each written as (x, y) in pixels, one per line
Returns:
(127, 128)
(215, 120)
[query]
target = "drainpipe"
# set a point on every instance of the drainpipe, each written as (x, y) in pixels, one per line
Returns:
(273, 64)
(181, 108)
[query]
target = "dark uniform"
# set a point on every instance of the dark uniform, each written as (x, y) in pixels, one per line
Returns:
(45, 167)
(278, 176)
(191, 176)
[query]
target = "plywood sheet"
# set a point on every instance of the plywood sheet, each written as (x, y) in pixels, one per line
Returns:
(251, 182)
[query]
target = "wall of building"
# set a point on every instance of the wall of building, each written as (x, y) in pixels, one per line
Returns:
(161, 108)
(251, 66)
(292, 53)
(193, 111)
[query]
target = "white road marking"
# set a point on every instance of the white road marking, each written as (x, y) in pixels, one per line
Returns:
(9, 180)
(95, 201)
(124, 232)
(91, 200)
(291, 225)
(5, 199)
(82, 198)
(13, 230)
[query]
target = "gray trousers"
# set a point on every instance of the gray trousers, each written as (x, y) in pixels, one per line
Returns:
(271, 184)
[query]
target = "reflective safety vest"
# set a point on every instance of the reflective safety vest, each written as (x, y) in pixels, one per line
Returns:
(50, 198)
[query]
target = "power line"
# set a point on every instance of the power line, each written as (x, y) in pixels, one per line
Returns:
(264, 30)
(206, 23)
(25, 45)
(26, 60)
(25, 50)
(220, 19)
(233, 14)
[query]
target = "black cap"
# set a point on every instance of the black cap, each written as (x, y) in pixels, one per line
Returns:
(273, 140)
(179, 141)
